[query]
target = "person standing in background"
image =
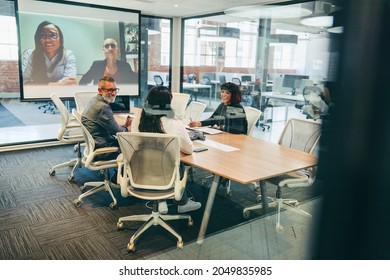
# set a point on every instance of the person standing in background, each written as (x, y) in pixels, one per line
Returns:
(49, 63)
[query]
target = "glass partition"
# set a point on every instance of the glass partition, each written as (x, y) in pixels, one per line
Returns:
(258, 47)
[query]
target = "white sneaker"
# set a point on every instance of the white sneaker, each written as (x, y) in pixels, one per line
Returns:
(189, 206)
(163, 207)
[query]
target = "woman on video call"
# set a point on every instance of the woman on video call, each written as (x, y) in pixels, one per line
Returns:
(121, 71)
(49, 63)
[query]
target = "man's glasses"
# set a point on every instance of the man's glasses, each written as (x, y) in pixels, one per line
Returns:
(50, 35)
(111, 90)
(111, 45)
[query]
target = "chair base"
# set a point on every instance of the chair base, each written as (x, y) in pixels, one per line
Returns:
(97, 187)
(153, 219)
(75, 163)
(278, 203)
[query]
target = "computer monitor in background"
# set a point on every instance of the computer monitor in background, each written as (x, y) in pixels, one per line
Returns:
(293, 81)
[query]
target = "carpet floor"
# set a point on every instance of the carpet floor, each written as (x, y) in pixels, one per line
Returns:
(38, 219)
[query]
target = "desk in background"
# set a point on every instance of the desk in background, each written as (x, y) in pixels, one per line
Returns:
(190, 86)
(243, 159)
(286, 99)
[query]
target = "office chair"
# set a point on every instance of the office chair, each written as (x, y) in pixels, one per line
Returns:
(252, 116)
(179, 103)
(301, 135)
(82, 98)
(158, 80)
(194, 111)
(91, 163)
(150, 164)
(314, 107)
(237, 81)
(246, 96)
(257, 103)
(69, 133)
(191, 78)
(222, 79)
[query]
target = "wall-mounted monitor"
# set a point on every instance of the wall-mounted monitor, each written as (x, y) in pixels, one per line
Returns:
(67, 47)
(293, 81)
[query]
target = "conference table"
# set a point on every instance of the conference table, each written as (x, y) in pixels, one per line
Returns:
(243, 159)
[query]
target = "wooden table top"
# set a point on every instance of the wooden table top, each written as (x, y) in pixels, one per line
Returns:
(254, 159)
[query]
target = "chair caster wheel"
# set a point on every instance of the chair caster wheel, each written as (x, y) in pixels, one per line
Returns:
(114, 206)
(279, 229)
(130, 247)
(246, 215)
(179, 244)
(70, 178)
(119, 226)
(77, 202)
(52, 172)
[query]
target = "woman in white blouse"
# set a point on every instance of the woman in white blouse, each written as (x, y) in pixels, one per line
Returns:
(158, 117)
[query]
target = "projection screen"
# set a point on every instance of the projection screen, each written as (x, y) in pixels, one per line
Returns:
(63, 48)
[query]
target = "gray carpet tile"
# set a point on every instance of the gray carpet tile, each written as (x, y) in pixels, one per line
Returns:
(38, 193)
(91, 247)
(18, 242)
(50, 210)
(7, 200)
(38, 219)
(64, 230)
(12, 218)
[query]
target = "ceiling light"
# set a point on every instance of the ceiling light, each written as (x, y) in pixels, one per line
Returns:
(318, 21)
(273, 12)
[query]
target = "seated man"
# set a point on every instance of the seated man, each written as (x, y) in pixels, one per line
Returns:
(99, 120)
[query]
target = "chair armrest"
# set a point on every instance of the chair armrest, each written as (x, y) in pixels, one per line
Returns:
(122, 178)
(100, 151)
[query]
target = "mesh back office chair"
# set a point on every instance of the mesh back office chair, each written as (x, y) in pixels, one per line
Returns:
(89, 160)
(301, 135)
(194, 111)
(158, 80)
(222, 79)
(257, 103)
(246, 90)
(82, 99)
(314, 107)
(69, 133)
(179, 103)
(252, 116)
(191, 78)
(151, 163)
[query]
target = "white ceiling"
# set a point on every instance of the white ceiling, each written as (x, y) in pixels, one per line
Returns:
(185, 8)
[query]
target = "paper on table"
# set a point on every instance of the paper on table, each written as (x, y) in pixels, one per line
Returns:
(206, 129)
(216, 145)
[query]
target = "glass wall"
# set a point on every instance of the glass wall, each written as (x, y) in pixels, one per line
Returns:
(259, 47)
(38, 121)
